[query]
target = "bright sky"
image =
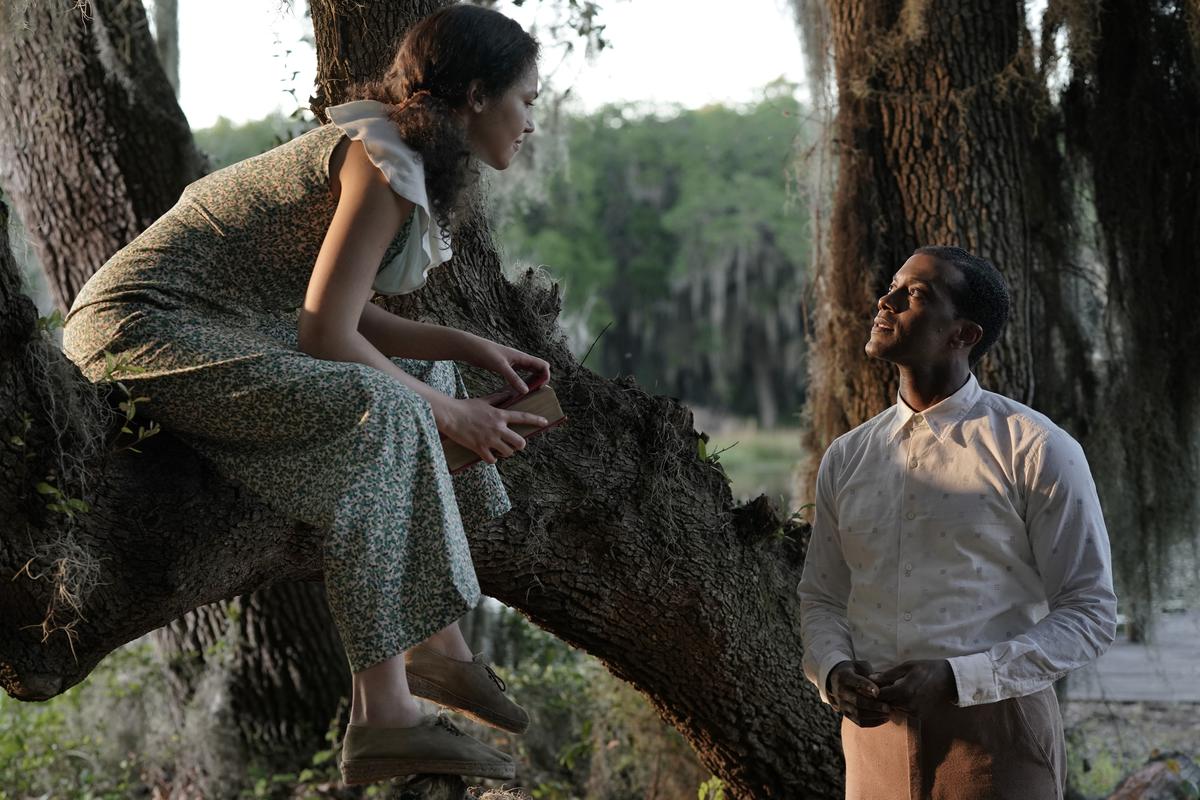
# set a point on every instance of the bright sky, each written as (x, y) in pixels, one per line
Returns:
(235, 60)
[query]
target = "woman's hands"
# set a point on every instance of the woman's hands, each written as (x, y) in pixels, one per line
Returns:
(481, 427)
(504, 361)
(476, 423)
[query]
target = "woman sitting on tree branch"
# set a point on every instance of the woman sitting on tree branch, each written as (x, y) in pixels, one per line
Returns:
(247, 310)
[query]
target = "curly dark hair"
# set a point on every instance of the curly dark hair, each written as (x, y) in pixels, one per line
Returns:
(982, 297)
(427, 83)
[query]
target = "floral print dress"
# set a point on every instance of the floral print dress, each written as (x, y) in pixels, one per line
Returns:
(207, 302)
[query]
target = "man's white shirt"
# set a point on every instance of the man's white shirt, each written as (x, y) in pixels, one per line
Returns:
(970, 531)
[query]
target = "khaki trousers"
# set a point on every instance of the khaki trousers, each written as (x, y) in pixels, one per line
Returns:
(996, 751)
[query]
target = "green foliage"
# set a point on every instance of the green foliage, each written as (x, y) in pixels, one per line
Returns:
(1103, 748)
(50, 322)
(311, 781)
(57, 748)
(556, 683)
(702, 450)
(594, 736)
(1187, 789)
(60, 502)
(713, 459)
(113, 737)
(712, 789)
(25, 422)
(227, 143)
(113, 365)
(645, 210)
(1099, 776)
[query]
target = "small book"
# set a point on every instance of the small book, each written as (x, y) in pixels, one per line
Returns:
(541, 401)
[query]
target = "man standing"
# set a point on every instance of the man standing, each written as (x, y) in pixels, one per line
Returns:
(958, 565)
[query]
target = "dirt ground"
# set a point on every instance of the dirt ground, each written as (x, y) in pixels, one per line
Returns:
(1108, 740)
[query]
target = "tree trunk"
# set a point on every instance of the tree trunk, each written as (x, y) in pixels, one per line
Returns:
(764, 390)
(356, 41)
(621, 353)
(272, 674)
(93, 146)
(166, 39)
(621, 541)
(933, 131)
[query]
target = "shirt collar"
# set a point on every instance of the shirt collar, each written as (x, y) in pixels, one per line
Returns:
(940, 417)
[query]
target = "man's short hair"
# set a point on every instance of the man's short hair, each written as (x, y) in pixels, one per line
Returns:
(982, 297)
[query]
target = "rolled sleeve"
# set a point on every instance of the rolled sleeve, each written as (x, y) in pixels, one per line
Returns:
(975, 678)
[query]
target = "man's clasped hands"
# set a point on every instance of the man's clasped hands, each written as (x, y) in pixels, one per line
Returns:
(867, 698)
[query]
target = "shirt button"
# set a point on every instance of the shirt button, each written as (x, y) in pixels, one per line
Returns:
(918, 419)
(907, 616)
(911, 515)
(913, 463)
(908, 567)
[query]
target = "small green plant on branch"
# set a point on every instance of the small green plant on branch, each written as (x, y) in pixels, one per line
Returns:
(50, 322)
(713, 459)
(59, 501)
(25, 422)
(112, 365)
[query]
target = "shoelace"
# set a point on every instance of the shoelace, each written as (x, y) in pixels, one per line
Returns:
(496, 678)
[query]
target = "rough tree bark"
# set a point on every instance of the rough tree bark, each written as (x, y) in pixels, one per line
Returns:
(356, 42)
(93, 147)
(622, 541)
(269, 669)
(934, 131)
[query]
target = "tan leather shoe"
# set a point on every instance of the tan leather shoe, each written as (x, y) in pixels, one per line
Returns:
(432, 746)
(467, 686)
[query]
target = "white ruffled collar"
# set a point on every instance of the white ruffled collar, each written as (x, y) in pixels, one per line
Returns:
(368, 121)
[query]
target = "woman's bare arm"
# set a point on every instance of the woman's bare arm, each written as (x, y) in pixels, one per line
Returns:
(368, 216)
(397, 336)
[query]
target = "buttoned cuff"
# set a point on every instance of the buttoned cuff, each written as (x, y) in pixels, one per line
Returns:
(975, 678)
(827, 664)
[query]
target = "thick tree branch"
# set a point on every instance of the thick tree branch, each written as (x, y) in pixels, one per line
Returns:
(622, 540)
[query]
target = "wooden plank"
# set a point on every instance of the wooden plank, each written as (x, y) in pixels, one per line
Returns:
(1165, 670)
